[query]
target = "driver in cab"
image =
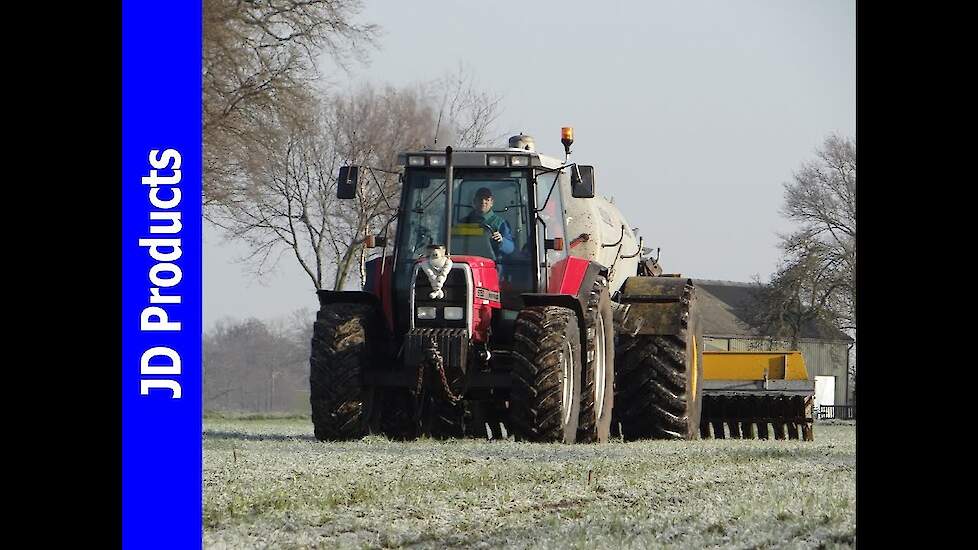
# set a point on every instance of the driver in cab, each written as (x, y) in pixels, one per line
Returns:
(500, 234)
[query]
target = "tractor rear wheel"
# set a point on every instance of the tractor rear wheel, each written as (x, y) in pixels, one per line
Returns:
(345, 340)
(598, 376)
(545, 398)
(659, 384)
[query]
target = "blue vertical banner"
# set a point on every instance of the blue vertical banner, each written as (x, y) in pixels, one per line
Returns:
(161, 275)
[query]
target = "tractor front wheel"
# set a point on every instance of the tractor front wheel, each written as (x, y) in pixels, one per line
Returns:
(545, 397)
(345, 341)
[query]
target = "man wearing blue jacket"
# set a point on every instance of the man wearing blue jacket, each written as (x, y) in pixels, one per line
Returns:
(501, 236)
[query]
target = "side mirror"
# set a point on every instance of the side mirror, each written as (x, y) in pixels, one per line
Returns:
(582, 182)
(346, 182)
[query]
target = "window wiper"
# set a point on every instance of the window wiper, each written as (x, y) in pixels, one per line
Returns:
(425, 239)
(431, 199)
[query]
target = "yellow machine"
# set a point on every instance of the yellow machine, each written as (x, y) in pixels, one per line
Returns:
(748, 391)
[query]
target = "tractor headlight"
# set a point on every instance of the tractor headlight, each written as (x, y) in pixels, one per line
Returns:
(497, 160)
(436, 160)
(519, 160)
(425, 312)
(414, 160)
(454, 313)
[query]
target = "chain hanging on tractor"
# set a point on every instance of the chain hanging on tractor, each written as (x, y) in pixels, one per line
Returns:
(434, 361)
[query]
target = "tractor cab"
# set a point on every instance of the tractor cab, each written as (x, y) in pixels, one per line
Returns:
(492, 217)
(504, 206)
(486, 203)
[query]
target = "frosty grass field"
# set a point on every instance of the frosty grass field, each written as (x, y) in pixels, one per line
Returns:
(269, 484)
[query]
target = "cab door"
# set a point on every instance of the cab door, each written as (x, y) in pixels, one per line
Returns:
(549, 222)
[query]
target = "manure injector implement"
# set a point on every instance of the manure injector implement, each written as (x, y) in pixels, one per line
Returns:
(513, 300)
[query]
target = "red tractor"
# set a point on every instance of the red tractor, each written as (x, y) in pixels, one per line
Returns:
(499, 307)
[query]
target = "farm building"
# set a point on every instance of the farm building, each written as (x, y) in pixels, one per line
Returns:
(825, 348)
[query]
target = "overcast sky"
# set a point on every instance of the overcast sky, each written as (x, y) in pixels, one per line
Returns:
(694, 114)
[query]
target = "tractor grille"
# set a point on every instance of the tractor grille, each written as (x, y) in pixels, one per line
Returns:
(456, 289)
(452, 345)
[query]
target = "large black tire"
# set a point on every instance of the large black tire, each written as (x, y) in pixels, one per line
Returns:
(397, 420)
(598, 376)
(545, 399)
(346, 339)
(659, 384)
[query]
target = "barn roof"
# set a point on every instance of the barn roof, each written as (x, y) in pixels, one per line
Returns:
(723, 305)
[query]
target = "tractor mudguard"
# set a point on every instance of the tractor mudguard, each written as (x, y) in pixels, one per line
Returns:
(657, 305)
(355, 297)
(573, 280)
(570, 283)
(348, 297)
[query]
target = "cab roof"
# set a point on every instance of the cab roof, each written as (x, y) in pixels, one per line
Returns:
(477, 157)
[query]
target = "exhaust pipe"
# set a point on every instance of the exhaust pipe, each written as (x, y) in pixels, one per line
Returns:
(449, 181)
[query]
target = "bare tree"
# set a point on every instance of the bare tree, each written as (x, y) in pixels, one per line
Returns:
(285, 201)
(822, 199)
(816, 281)
(260, 57)
(250, 365)
(794, 301)
(467, 114)
(279, 197)
(372, 127)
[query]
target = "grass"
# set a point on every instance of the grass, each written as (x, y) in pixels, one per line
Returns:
(269, 484)
(230, 415)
